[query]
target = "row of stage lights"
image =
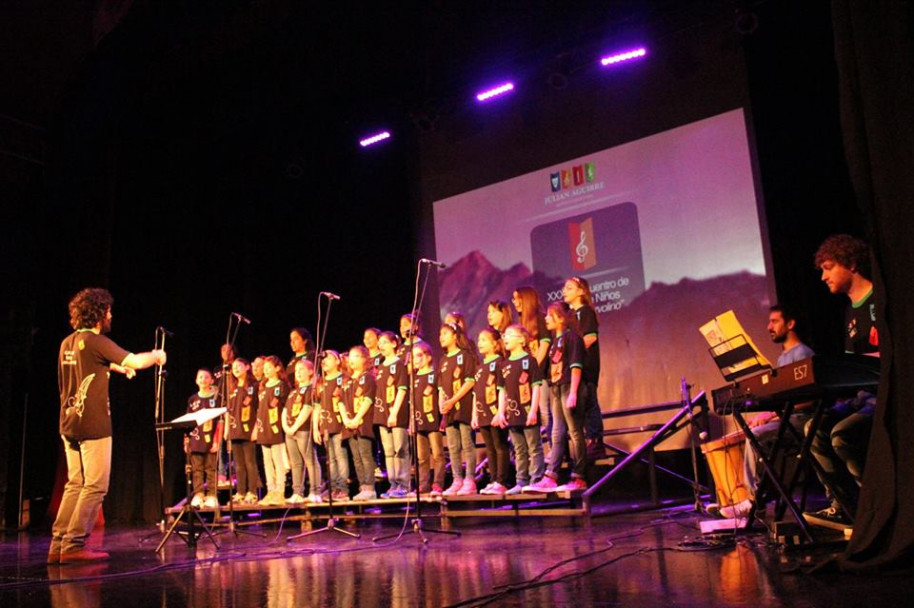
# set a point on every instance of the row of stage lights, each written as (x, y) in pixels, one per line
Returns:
(504, 88)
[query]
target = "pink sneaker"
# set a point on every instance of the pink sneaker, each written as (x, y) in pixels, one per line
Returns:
(546, 484)
(454, 489)
(468, 488)
(575, 485)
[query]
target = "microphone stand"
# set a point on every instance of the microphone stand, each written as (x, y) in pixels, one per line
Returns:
(417, 525)
(159, 420)
(693, 447)
(318, 348)
(231, 465)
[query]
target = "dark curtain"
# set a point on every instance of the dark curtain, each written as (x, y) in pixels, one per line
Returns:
(875, 54)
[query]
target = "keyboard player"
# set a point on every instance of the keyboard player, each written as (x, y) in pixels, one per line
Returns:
(841, 441)
(782, 327)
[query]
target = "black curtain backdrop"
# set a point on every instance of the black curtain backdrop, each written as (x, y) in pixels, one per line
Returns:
(874, 52)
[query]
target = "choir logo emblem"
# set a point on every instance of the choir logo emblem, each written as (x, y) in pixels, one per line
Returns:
(577, 175)
(581, 243)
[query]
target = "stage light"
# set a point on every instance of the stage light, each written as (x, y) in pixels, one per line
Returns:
(495, 92)
(372, 140)
(621, 57)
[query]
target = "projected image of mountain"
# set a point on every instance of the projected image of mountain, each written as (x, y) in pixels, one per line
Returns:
(473, 281)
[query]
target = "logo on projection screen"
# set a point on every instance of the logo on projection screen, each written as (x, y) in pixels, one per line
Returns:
(583, 247)
(603, 246)
(575, 176)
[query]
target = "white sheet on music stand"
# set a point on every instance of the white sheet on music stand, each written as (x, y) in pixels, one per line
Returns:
(724, 333)
(200, 416)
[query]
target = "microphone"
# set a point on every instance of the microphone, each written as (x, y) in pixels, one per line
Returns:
(165, 331)
(241, 318)
(330, 296)
(433, 263)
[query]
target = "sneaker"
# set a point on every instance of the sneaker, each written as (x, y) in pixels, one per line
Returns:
(486, 489)
(454, 489)
(250, 498)
(575, 485)
(340, 495)
(295, 499)
(498, 489)
(272, 499)
(518, 489)
(736, 511)
(398, 493)
(210, 502)
(83, 555)
(315, 499)
(366, 495)
(436, 490)
(468, 488)
(829, 517)
(238, 497)
(197, 501)
(546, 484)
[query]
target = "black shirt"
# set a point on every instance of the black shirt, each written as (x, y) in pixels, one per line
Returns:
(360, 391)
(455, 369)
(485, 391)
(331, 421)
(587, 326)
(566, 352)
(392, 378)
(425, 401)
(860, 335)
(202, 436)
(82, 376)
(271, 400)
(518, 377)
(242, 404)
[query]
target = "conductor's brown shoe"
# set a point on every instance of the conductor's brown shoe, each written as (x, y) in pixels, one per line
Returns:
(83, 555)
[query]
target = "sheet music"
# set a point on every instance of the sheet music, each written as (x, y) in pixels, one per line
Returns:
(200, 416)
(725, 333)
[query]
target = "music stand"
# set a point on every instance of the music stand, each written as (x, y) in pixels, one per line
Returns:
(189, 421)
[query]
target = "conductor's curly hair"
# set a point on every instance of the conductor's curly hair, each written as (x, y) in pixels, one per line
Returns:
(89, 307)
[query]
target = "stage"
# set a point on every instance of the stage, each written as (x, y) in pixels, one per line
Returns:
(651, 558)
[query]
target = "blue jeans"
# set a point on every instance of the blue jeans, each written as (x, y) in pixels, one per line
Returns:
(395, 442)
(570, 421)
(88, 474)
(363, 459)
(303, 458)
(767, 434)
(338, 464)
(462, 449)
(273, 467)
(840, 446)
(528, 454)
(593, 415)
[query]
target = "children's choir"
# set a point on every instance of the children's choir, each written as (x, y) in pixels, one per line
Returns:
(527, 386)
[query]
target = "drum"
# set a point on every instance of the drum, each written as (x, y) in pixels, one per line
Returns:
(725, 459)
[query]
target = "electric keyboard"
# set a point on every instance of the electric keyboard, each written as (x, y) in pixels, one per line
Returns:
(811, 378)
